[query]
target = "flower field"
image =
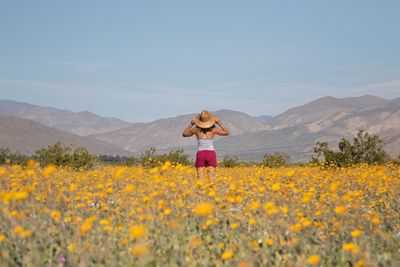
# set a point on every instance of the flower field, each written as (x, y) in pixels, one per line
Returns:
(247, 216)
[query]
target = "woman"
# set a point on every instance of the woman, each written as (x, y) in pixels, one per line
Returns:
(203, 126)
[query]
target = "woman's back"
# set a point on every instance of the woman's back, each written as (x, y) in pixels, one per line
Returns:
(205, 130)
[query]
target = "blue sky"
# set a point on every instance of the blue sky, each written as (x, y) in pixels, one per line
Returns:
(143, 60)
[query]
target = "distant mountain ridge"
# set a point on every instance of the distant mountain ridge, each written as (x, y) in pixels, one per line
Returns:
(294, 131)
(81, 123)
(325, 119)
(166, 133)
(323, 109)
(265, 119)
(27, 136)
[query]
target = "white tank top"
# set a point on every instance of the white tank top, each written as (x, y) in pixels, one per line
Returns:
(205, 144)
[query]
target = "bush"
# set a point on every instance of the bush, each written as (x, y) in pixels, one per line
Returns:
(56, 154)
(397, 160)
(277, 159)
(230, 162)
(149, 158)
(119, 160)
(364, 149)
(61, 156)
(81, 158)
(7, 157)
(177, 156)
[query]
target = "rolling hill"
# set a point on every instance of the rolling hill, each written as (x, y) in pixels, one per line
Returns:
(294, 131)
(166, 133)
(81, 123)
(326, 119)
(27, 136)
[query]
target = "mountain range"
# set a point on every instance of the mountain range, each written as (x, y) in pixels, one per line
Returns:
(26, 136)
(26, 127)
(79, 123)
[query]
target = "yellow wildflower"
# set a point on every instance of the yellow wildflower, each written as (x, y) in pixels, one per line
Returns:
(356, 233)
(203, 209)
(314, 259)
(138, 231)
(2, 237)
(140, 250)
(167, 211)
(276, 187)
(234, 225)
(49, 170)
(56, 215)
(227, 255)
(269, 241)
(341, 210)
(87, 225)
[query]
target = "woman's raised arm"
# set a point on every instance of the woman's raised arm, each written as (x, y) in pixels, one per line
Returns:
(221, 130)
(189, 131)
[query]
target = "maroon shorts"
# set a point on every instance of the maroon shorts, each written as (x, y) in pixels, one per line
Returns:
(206, 158)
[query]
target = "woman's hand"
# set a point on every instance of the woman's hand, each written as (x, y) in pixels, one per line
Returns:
(193, 122)
(217, 121)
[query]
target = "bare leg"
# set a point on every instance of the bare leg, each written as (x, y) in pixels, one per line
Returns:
(200, 173)
(211, 173)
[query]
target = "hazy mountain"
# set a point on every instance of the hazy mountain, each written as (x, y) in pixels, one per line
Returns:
(326, 119)
(27, 136)
(80, 123)
(323, 112)
(167, 133)
(265, 119)
(254, 146)
(392, 145)
(294, 131)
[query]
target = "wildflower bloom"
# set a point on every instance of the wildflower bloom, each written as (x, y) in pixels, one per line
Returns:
(138, 231)
(276, 187)
(356, 233)
(87, 225)
(49, 170)
(341, 210)
(139, 250)
(234, 225)
(351, 247)
(314, 259)
(227, 255)
(254, 205)
(376, 221)
(56, 215)
(20, 195)
(203, 209)
(19, 230)
(269, 241)
(214, 222)
(295, 228)
(167, 211)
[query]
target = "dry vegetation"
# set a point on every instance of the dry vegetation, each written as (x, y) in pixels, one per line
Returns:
(248, 216)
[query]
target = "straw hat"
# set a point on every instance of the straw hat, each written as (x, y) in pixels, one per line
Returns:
(204, 120)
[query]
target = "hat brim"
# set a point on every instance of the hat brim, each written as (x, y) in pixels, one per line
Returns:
(205, 124)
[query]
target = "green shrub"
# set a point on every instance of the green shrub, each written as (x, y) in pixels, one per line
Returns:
(230, 162)
(81, 158)
(149, 158)
(56, 154)
(365, 148)
(277, 159)
(177, 156)
(397, 160)
(60, 155)
(119, 160)
(8, 157)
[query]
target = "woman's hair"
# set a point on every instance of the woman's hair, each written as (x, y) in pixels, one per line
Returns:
(205, 130)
